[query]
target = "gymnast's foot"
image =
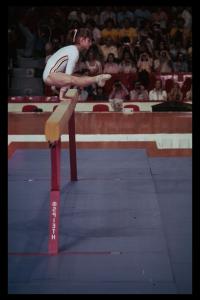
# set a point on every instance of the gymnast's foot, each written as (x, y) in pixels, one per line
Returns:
(101, 79)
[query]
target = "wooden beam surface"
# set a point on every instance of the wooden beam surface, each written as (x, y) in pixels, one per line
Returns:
(57, 123)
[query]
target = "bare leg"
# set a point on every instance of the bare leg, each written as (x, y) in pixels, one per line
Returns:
(62, 80)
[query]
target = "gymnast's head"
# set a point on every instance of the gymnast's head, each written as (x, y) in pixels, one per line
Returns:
(82, 38)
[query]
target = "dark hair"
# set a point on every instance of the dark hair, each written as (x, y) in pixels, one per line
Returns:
(111, 54)
(161, 85)
(117, 83)
(76, 34)
(125, 39)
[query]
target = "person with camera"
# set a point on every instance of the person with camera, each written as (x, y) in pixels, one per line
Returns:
(144, 65)
(125, 45)
(119, 91)
(175, 93)
(188, 96)
(139, 93)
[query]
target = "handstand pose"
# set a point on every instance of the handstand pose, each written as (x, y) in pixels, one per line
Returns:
(61, 64)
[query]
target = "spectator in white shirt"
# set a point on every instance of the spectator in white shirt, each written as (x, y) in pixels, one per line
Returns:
(158, 93)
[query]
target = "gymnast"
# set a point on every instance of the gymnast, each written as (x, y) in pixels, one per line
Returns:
(60, 66)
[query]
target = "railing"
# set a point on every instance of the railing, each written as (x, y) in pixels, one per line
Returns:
(55, 126)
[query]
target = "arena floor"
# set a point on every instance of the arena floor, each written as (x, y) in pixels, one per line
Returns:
(125, 225)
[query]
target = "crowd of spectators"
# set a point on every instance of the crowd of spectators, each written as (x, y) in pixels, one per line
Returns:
(126, 39)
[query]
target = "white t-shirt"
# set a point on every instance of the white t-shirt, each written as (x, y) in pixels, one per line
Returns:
(63, 60)
(157, 95)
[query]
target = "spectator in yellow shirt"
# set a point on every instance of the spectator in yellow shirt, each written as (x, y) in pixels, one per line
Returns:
(107, 48)
(129, 31)
(110, 31)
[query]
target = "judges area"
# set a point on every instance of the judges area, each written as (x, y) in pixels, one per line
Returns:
(160, 133)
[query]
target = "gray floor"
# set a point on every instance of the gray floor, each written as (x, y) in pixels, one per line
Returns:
(125, 226)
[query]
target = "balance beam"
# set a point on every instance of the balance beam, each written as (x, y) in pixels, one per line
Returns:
(56, 124)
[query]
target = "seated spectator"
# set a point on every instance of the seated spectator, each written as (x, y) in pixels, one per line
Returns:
(139, 93)
(116, 104)
(172, 51)
(180, 33)
(180, 64)
(146, 43)
(123, 14)
(141, 14)
(156, 35)
(128, 30)
(158, 93)
(110, 31)
(144, 65)
(90, 88)
(156, 61)
(160, 17)
(108, 13)
(80, 66)
(111, 66)
(99, 94)
(187, 16)
(125, 44)
(98, 53)
(96, 32)
(92, 64)
(119, 91)
(164, 64)
(108, 47)
(188, 96)
(127, 64)
(180, 48)
(77, 15)
(92, 14)
(175, 94)
(83, 94)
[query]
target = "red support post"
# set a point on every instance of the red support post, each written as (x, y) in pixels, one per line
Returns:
(72, 147)
(54, 198)
(55, 165)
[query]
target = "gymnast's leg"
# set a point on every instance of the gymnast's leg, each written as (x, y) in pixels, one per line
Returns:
(59, 79)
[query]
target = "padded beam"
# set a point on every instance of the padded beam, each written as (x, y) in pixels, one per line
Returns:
(57, 123)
